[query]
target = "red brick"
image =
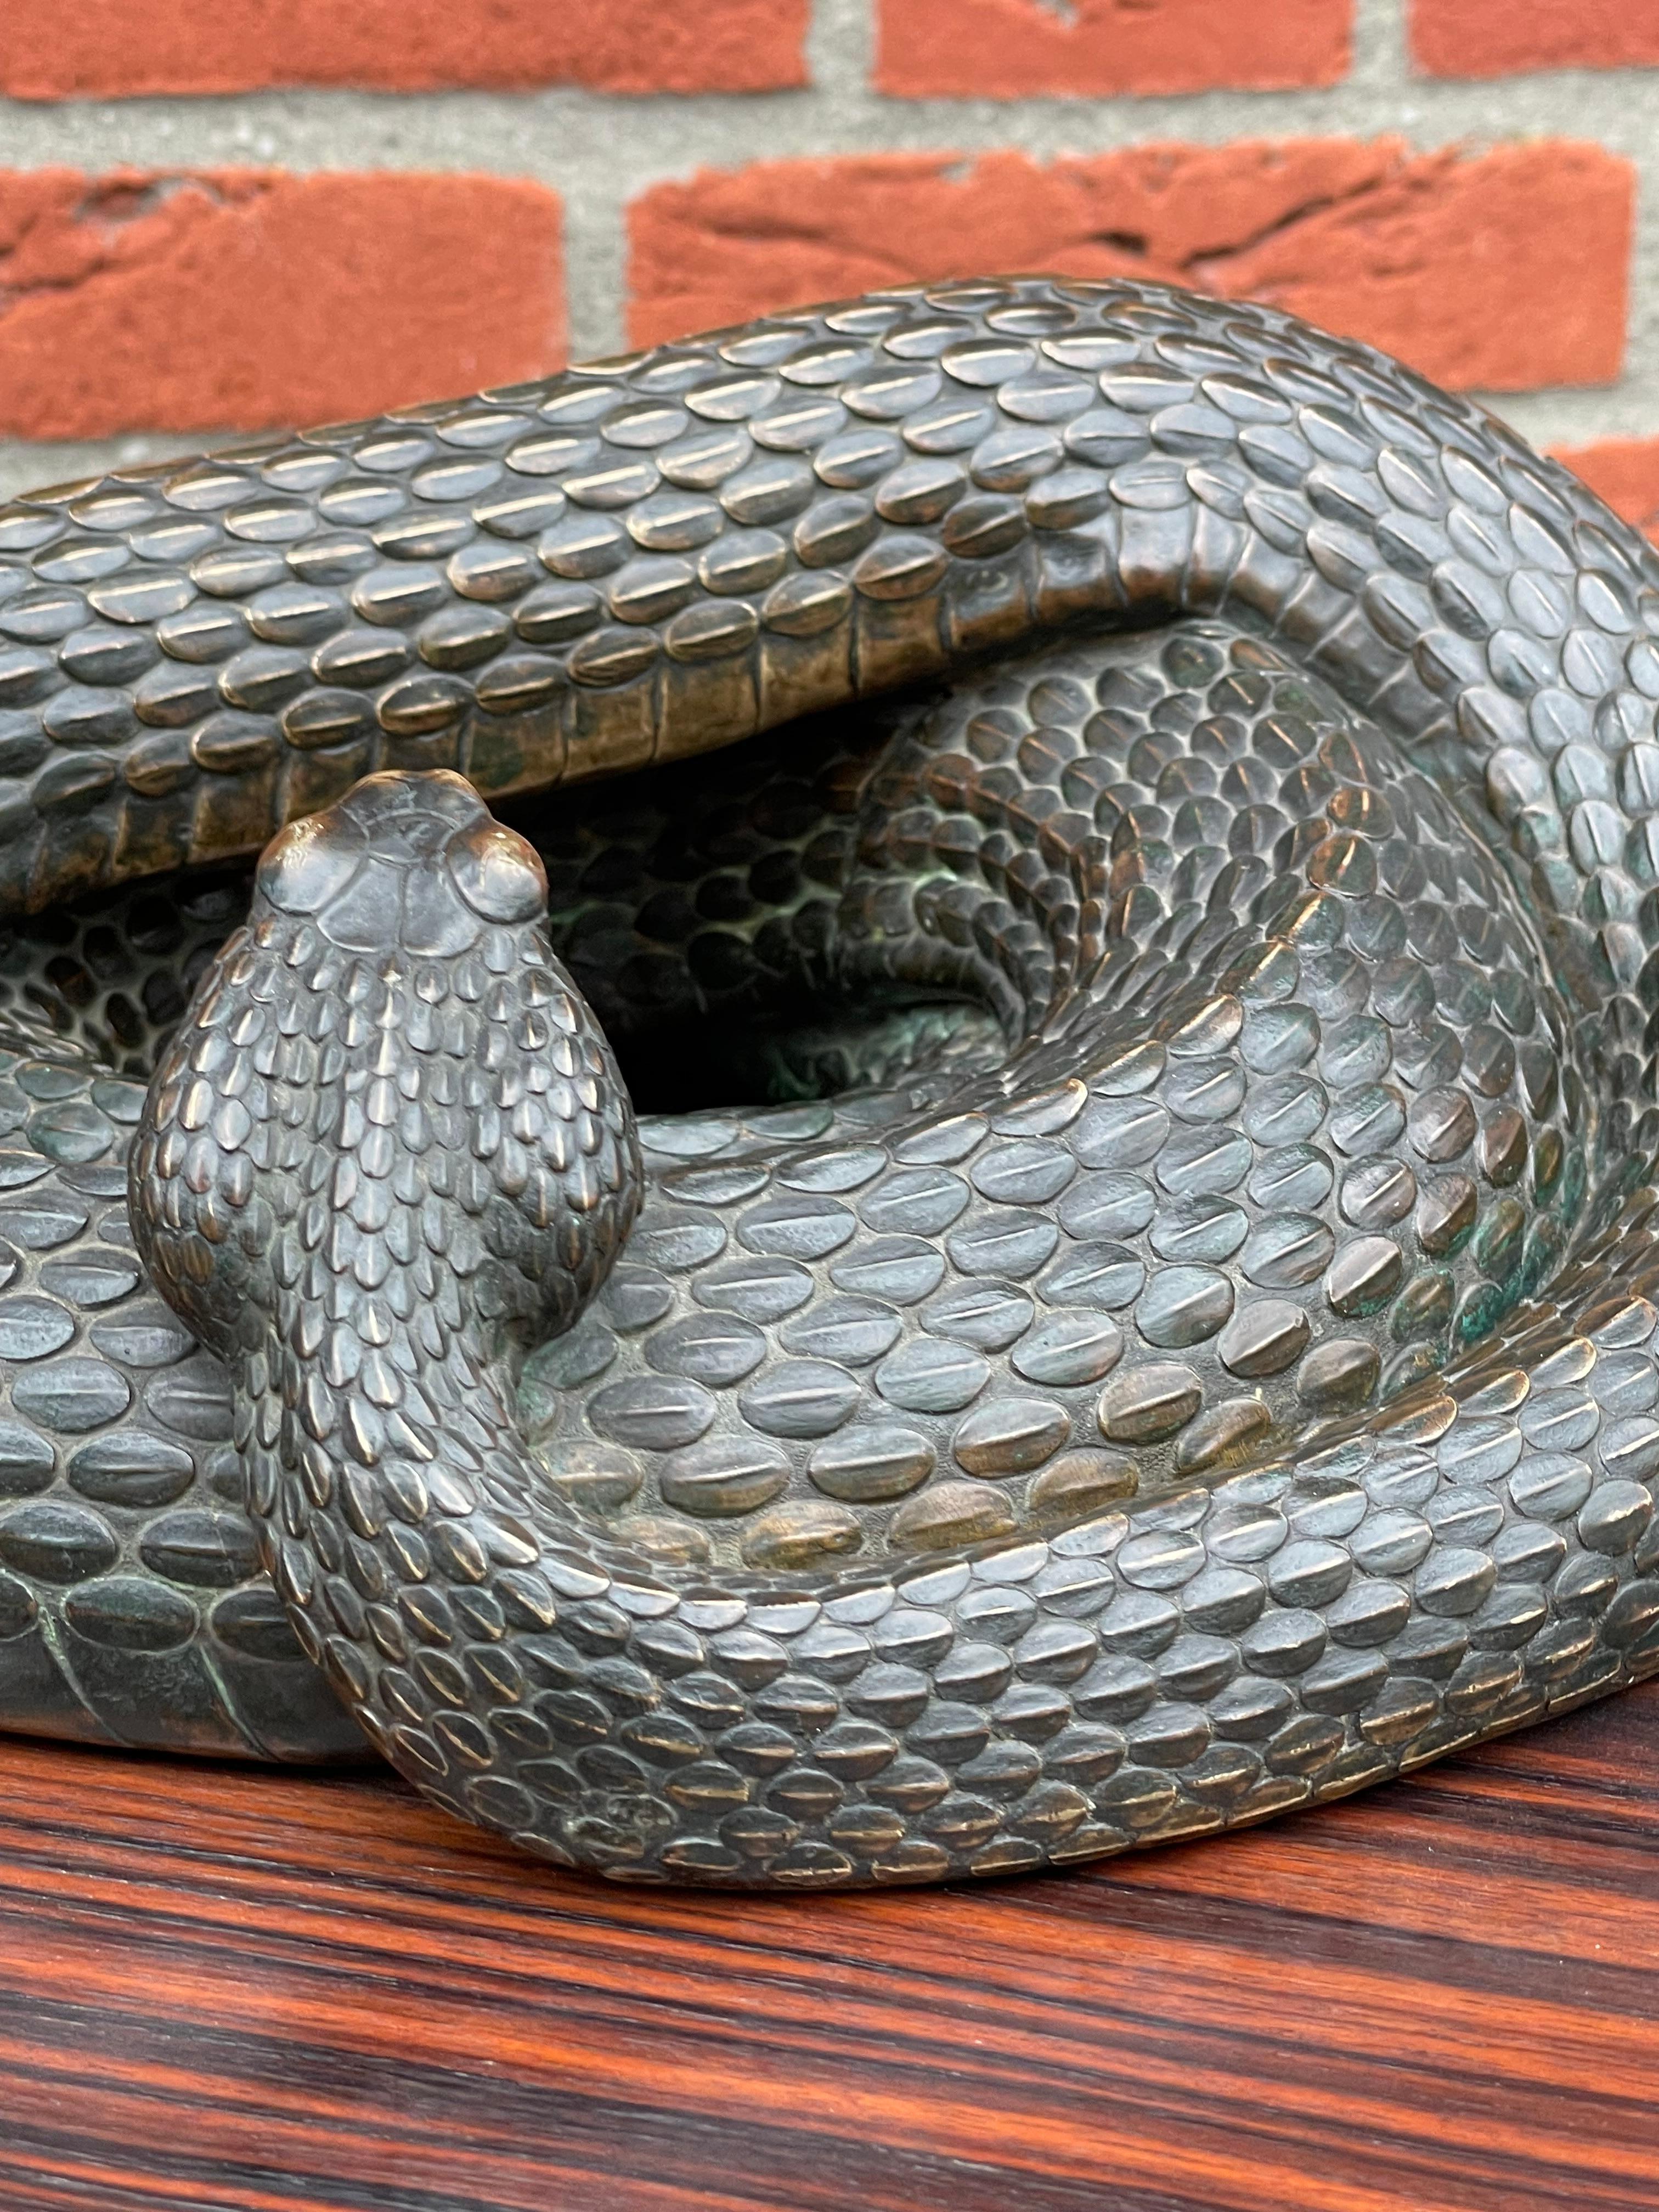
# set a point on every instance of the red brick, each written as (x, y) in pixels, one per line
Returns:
(1455, 264)
(1500, 38)
(1624, 471)
(114, 49)
(236, 299)
(1009, 49)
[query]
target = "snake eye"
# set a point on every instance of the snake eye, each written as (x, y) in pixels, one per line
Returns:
(311, 862)
(499, 875)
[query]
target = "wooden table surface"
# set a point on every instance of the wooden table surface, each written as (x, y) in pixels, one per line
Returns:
(277, 1992)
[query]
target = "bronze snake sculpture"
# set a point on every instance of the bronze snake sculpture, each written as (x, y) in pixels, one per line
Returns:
(1175, 1345)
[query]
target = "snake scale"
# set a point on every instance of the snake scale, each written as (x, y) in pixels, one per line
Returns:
(1174, 1340)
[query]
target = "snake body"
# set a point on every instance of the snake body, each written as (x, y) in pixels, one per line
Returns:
(1197, 1357)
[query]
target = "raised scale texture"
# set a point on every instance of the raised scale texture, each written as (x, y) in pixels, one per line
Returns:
(1176, 1347)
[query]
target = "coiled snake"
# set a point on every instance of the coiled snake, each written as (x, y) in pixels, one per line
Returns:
(1176, 1345)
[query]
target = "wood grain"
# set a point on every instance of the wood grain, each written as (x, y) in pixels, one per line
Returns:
(230, 1990)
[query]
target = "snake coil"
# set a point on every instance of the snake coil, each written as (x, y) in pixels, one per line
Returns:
(1179, 1345)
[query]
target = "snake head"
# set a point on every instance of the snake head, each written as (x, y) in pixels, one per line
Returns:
(405, 865)
(414, 861)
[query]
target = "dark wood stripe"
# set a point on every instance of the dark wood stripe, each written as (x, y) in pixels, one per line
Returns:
(225, 1989)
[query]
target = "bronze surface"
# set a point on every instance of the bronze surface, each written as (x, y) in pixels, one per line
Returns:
(1176, 1345)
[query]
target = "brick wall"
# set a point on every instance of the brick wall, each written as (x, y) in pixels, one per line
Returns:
(213, 219)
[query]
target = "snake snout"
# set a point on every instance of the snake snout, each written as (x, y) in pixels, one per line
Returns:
(412, 859)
